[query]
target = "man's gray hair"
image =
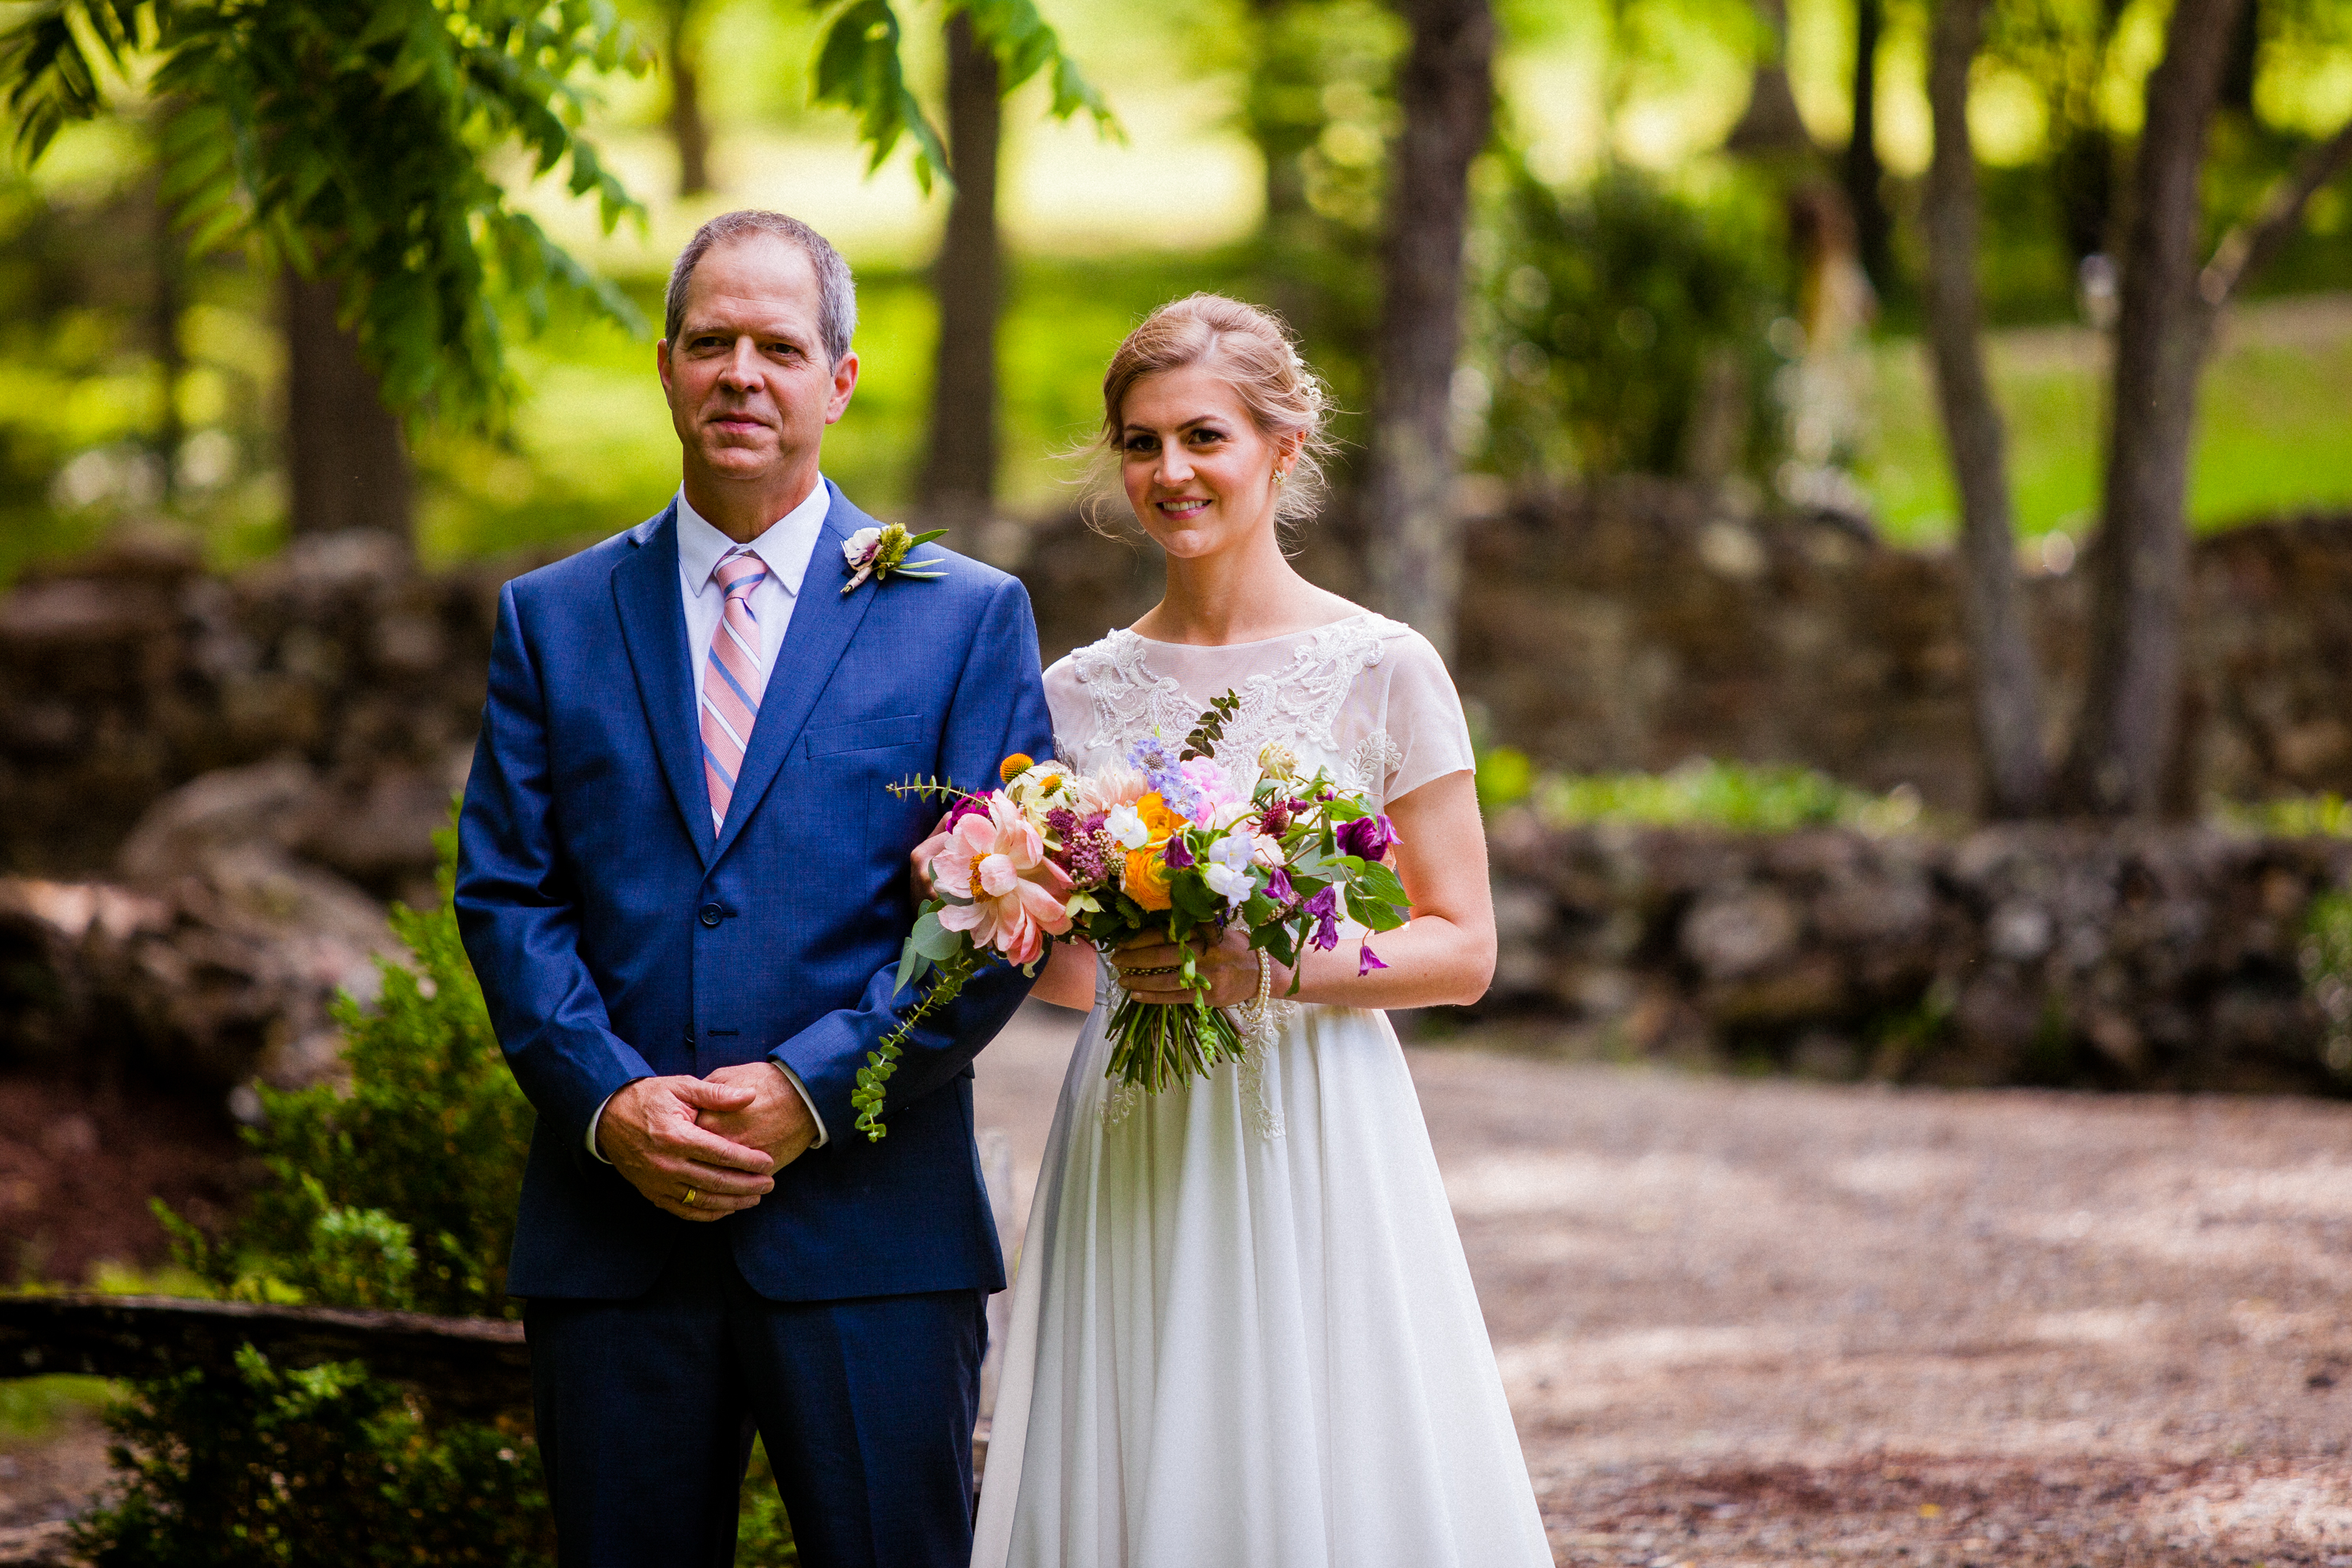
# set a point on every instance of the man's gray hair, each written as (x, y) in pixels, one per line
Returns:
(837, 293)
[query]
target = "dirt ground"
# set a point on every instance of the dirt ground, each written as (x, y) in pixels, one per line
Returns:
(1766, 1322)
(1749, 1322)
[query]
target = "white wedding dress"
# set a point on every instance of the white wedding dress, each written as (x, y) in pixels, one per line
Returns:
(1243, 1332)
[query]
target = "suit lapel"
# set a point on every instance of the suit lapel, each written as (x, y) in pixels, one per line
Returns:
(824, 622)
(653, 624)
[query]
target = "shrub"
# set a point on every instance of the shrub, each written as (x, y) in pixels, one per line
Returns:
(1605, 309)
(396, 1191)
(265, 1466)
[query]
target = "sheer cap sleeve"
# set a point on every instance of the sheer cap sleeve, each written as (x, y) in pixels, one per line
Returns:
(1428, 737)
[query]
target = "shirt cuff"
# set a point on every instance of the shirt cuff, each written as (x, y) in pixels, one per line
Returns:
(597, 1120)
(798, 1088)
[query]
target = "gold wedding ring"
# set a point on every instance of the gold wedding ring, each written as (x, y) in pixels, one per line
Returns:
(691, 1195)
(1163, 969)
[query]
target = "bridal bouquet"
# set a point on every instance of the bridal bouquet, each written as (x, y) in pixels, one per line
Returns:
(1174, 842)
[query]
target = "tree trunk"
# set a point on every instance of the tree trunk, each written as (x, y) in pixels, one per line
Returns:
(1770, 123)
(687, 129)
(959, 472)
(1446, 96)
(1865, 177)
(2005, 681)
(166, 301)
(2124, 739)
(345, 455)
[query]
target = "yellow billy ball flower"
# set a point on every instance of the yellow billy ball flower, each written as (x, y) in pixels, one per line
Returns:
(1014, 766)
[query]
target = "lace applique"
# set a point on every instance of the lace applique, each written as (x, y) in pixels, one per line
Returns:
(1262, 1030)
(1297, 703)
(1375, 758)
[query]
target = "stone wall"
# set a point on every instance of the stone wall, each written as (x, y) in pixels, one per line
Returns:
(126, 674)
(2142, 958)
(206, 784)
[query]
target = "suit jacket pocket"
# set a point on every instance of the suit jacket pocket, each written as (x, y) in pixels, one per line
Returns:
(862, 736)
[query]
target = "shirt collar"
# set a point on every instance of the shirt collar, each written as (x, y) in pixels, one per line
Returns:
(784, 547)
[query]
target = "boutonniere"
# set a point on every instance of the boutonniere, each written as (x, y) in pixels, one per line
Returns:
(881, 553)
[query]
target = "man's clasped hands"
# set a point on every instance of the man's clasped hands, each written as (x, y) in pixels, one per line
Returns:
(702, 1148)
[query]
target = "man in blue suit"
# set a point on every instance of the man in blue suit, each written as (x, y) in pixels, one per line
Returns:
(683, 885)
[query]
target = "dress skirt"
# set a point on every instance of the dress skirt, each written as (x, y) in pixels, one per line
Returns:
(1244, 1334)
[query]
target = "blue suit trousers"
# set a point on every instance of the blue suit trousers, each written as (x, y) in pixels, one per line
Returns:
(647, 1409)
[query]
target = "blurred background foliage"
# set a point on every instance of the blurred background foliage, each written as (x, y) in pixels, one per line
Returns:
(1621, 259)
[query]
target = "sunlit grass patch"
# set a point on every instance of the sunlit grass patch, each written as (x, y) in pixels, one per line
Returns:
(1734, 796)
(32, 1408)
(2273, 432)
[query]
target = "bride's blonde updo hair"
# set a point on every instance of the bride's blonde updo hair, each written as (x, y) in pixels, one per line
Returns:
(1255, 354)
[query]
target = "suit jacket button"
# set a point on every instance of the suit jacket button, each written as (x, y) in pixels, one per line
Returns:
(712, 914)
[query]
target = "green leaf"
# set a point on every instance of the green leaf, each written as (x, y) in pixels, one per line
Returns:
(1376, 913)
(859, 68)
(934, 941)
(1380, 881)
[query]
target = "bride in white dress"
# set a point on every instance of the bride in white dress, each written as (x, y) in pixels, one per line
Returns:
(1243, 1332)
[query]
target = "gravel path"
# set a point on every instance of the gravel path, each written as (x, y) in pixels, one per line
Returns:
(1771, 1322)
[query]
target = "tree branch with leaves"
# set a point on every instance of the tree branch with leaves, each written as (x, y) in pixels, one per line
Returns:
(350, 137)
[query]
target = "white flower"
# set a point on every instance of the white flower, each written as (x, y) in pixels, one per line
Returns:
(1270, 851)
(858, 548)
(1125, 826)
(1233, 852)
(1276, 761)
(1227, 882)
(1038, 788)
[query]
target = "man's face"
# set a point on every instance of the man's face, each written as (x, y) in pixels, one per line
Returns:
(748, 386)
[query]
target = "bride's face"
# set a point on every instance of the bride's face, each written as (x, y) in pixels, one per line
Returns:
(1198, 471)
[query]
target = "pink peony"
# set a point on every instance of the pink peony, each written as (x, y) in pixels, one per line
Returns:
(998, 861)
(1216, 790)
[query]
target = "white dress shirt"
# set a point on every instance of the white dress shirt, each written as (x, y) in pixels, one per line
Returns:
(785, 548)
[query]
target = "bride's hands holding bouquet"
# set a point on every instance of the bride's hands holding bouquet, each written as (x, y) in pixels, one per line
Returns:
(1151, 970)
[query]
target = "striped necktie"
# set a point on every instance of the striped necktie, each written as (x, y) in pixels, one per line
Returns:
(731, 679)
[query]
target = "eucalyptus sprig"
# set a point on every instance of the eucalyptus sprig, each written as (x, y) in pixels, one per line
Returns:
(1209, 728)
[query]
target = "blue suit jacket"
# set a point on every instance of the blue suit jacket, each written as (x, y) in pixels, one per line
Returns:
(616, 936)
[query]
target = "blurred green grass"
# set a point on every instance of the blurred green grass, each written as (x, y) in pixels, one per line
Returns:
(2274, 424)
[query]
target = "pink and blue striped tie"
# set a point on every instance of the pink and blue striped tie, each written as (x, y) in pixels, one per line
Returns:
(731, 680)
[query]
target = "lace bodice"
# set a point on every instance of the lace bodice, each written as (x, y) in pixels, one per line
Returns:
(1365, 696)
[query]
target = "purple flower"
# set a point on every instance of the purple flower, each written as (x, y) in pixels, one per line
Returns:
(1278, 885)
(1275, 818)
(1151, 755)
(1178, 792)
(1176, 855)
(1369, 836)
(1089, 857)
(1063, 822)
(1325, 907)
(1368, 961)
(965, 805)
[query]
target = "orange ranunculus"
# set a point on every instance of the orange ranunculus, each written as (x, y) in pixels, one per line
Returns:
(1158, 817)
(1147, 878)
